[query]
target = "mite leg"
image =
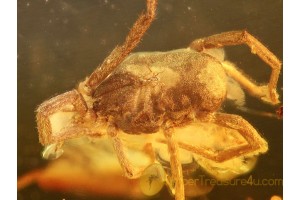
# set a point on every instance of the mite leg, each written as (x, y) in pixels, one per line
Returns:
(176, 167)
(256, 144)
(243, 37)
(128, 169)
(120, 52)
(55, 118)
(261, 92)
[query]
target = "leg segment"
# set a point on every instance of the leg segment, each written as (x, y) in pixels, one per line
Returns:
(255, 145)
(176, 167)
(51, 113)
(243, 37)
(120, 52)
(128, 169)
(261, 92)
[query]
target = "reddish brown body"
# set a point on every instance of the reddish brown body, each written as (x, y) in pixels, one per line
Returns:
(148, 89)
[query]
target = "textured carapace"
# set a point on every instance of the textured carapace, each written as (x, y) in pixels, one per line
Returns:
(148, 89)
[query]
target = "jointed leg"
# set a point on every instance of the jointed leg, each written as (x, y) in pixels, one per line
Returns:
(176, 167)
(255, 145)
(128, 169)
(63, 105)
(261, 92)
(120, 52)
(243, 37)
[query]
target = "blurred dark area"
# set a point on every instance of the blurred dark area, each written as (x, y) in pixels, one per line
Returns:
(61, 42)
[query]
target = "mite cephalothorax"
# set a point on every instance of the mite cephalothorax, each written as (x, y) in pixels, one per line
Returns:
(150, 92)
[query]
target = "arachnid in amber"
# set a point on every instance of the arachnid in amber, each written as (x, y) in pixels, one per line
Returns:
(164, 94)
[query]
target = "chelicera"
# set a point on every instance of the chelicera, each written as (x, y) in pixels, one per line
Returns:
(147, 92)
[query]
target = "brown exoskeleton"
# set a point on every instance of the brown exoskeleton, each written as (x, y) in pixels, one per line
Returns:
(147, 92)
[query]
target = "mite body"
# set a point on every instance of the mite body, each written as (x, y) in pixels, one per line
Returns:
(166, 92)
(148, 89)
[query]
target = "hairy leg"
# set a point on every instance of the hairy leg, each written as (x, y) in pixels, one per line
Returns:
(260, 91)
(176, 167)
(128, 169)
(63, 106)
(121, 52)
(243, 37)
(256, 144)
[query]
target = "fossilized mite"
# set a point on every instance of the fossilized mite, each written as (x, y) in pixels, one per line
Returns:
(150, 88)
